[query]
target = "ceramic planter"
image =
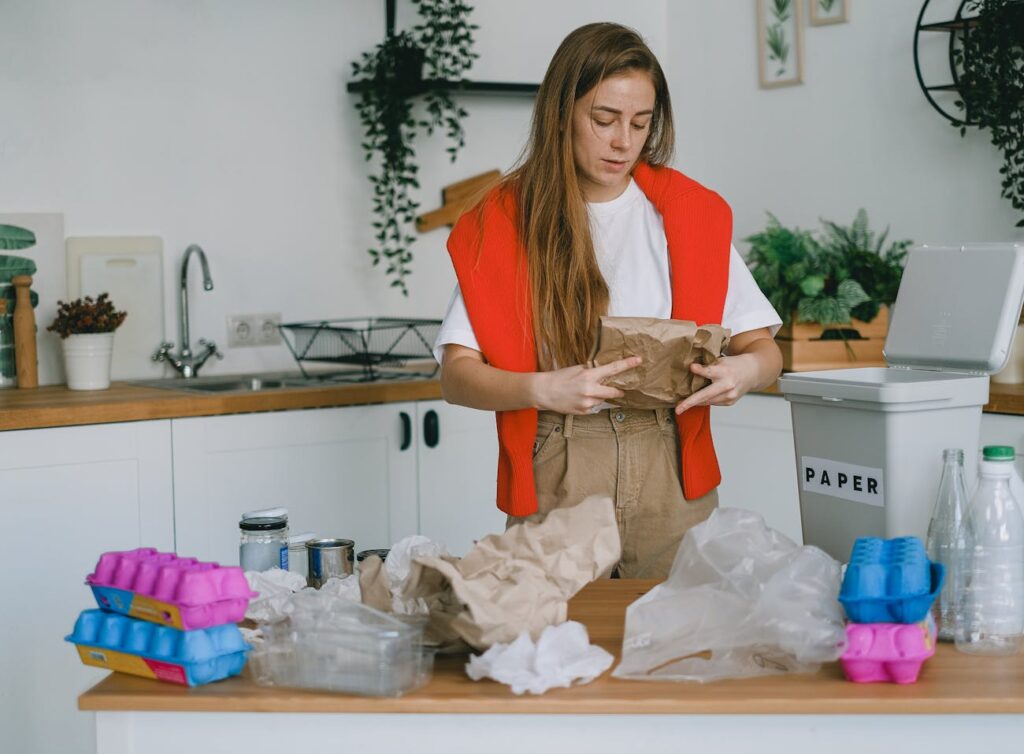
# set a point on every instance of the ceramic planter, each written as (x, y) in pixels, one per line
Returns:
(87, 360)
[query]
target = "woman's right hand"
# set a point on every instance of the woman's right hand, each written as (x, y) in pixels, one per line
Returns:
(579, 389)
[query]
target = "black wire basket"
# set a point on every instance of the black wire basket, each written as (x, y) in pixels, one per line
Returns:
(370, 344)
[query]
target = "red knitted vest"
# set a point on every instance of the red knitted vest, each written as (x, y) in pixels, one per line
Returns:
(490, 264)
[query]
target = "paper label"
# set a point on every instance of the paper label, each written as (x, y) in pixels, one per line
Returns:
(858, 484)
(123, 662)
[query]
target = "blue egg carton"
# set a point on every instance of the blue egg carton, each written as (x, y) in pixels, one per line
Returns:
(129, 645)
(889, 581)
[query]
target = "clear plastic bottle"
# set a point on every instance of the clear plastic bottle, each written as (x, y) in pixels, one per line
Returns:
(945, 542)
(993, 589)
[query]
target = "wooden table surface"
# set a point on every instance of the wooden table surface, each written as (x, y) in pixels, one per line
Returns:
(951, 682)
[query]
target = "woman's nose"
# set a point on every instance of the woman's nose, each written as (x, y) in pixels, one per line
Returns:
(621, 138)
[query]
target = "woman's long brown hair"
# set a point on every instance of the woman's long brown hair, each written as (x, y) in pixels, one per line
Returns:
(567, 289)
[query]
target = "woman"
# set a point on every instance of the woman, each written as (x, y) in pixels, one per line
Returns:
(591, 223)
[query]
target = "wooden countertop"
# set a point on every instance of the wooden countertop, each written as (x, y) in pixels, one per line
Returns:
(951, 682)
(56, 406)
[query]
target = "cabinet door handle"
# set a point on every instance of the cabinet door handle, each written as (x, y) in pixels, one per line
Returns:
(406, 430)
(431, 429)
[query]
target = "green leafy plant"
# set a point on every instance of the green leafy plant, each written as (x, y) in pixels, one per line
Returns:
(858, 254)
(826, 5)
(442, 46)
(14, 238)
(85, 315)
(990, 59)
(828, 280)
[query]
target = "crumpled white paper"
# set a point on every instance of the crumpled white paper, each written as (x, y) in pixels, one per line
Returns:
(398, 565)
(562, 654)
(276, 588)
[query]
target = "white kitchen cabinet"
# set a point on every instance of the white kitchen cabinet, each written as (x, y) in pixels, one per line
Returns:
(754, 442)
(69, 494)
(458, 469)
(341, 472)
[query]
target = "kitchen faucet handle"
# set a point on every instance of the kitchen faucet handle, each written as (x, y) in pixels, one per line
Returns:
(163, 351)
(210, 346)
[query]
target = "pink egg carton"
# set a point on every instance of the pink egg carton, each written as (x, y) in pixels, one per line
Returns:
(162, 588)
(892, 652)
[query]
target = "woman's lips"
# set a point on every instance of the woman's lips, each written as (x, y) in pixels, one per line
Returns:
(615, 164)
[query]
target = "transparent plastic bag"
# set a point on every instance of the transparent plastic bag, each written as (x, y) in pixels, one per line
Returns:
(741, 600)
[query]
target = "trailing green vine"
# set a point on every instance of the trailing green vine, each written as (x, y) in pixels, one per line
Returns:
(441, 45)
(990, 60)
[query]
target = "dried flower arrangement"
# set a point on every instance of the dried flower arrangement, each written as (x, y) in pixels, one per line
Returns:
(84, 315)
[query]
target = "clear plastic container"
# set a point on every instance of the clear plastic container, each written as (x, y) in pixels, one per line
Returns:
(993, 573)
(335, 644)
(945, 541)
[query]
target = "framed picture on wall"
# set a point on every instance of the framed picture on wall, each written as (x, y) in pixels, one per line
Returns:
(779, 43)
(828, 12)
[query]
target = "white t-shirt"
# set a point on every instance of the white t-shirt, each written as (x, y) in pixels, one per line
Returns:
(632, 252)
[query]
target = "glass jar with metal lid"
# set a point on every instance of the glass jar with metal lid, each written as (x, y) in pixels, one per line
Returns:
(263, 543)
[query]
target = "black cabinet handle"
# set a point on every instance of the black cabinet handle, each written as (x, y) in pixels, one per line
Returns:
(431, 429)
(406, 430)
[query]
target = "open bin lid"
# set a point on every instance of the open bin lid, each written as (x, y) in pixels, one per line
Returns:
(953, 322)
(957, 308)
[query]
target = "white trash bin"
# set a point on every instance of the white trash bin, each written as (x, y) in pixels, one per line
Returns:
(869, 441)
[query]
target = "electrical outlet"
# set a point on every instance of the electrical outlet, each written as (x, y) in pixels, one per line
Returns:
(253, 330)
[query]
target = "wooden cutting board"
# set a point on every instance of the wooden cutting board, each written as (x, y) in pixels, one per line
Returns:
(130, 269)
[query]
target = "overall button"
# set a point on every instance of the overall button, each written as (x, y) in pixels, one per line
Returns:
(619, 416)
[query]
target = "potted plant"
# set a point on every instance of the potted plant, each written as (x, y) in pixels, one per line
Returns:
(427, 61)
(990, 59)
(86, 328)
(832, 291)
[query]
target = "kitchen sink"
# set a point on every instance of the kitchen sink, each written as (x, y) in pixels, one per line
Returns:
(262, 382)
(231, 383)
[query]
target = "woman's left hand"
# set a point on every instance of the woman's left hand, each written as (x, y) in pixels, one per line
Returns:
(754, 362)
(731, 377)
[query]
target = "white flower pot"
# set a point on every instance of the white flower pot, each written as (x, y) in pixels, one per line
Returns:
(87, 360)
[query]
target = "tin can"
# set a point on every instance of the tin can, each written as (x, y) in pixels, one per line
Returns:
(327, 558)
(381, 552)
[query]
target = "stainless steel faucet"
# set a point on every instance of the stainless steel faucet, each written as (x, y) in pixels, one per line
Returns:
(185, 363)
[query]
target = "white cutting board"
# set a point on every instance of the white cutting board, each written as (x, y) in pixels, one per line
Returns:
(130, 269)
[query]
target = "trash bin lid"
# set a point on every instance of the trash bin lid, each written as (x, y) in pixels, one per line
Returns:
(957, 308)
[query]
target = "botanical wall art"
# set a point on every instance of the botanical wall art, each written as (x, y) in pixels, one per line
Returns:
(779, 43)
(828, 12)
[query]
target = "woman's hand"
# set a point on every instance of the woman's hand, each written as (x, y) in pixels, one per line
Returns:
(731, 377)
(579, 389)
(754, 362)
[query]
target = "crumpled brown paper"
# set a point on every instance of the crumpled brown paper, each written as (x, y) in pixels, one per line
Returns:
(667, 346)
(520, 580)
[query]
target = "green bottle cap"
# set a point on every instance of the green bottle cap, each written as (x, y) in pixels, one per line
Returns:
(998, 453)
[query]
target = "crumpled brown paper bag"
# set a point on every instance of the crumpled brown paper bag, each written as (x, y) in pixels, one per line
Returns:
(667, 346)
(522, 579)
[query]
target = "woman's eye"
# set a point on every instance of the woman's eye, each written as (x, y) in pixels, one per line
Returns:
(640, 126)
(603, 122)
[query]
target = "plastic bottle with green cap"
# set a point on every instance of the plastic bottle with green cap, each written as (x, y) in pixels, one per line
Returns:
(993, 574)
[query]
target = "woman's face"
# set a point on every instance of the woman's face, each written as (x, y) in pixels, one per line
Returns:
(610, 125)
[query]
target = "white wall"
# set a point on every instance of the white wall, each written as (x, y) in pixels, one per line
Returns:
(857, 133)
(226, 122)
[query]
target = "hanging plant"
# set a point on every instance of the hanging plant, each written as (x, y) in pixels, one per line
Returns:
(440, 45)
(990, 60)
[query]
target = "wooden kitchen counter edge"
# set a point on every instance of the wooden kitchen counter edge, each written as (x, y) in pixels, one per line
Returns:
(950, 683)
(56, 406)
